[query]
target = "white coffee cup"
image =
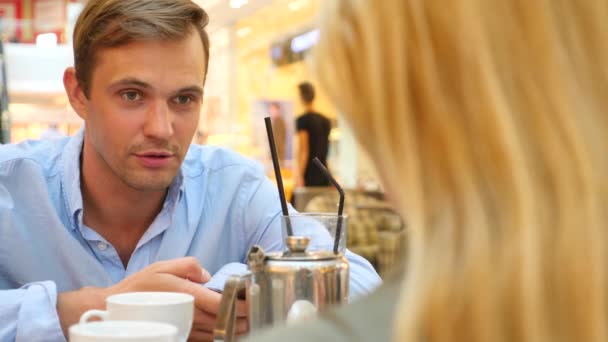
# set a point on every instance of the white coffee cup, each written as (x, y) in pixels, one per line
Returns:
(168, 307)
(123, 331)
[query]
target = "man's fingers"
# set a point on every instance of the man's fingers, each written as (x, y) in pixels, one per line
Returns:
(242, 309)
(164, 282)
(186, 268)
(207, 300)
(200, 336)
(206, 276)
(207, 322)
(203, 321)
(241, 326)
(197, 334)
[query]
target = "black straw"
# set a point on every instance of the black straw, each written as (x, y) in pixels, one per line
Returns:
(277, 174)
(340, 206)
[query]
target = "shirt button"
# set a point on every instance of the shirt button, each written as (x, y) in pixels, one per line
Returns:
(102, 246)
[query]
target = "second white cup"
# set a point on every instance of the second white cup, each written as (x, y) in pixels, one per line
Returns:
(168, 307)
(123, 331)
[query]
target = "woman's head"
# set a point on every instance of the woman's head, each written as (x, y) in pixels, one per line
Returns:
(486, 119)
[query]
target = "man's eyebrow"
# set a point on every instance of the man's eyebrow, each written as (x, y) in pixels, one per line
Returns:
(191, 89)
(130, 81)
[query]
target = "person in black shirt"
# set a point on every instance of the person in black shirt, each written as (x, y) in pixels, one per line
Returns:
(313, 140)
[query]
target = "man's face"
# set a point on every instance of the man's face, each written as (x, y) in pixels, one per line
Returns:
(143, 109)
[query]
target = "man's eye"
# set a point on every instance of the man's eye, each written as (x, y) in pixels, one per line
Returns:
(131, 96)
(183, 99)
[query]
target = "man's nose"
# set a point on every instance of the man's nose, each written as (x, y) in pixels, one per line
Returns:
(159, 121)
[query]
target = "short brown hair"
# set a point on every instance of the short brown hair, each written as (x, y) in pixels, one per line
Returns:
(307, 92)
(111, 23)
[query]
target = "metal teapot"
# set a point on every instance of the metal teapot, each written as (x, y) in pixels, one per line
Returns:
(283, 286)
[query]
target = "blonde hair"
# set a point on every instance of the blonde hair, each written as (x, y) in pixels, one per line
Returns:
(487, 120)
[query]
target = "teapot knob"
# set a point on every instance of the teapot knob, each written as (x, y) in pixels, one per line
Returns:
(255, 258)
(297, 244)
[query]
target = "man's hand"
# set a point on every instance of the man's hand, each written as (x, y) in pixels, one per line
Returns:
(178, 275)
(207, 304)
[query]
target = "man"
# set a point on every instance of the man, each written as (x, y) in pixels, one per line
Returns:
(127, 204)
(313, 140)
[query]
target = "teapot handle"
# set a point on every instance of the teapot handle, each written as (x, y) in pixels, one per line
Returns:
(224, 328)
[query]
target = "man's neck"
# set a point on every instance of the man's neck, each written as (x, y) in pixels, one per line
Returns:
(118, 212)
(309, 107)
(114, 206)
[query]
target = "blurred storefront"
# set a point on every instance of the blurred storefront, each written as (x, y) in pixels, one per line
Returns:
(36, 36)
(37, 99)
(272, 50)
(270, 65)
(23, 21)
(268, 68)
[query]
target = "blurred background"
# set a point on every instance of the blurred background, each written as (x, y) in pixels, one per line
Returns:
(259, 54)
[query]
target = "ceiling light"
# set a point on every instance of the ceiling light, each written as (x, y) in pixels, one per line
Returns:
(46, 40)
(297, 5)
(238, 3)
(207, 4)
(243, 32)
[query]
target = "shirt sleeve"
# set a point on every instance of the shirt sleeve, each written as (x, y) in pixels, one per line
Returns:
(29, 314)
(363, 278)
(301, 123)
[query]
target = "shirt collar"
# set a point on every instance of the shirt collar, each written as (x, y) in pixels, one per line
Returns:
(71, 180)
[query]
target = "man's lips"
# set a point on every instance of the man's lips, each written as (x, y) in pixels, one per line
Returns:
(155, 159)
(155, 154)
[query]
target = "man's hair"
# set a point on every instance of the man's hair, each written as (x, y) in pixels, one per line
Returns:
(307, 92)
(112, 23)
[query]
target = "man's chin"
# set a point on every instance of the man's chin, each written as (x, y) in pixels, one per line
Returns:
(145, 184)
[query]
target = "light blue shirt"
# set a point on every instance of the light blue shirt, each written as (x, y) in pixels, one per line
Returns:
(218, 206)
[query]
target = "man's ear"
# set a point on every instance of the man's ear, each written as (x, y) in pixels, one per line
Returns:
(76, 95)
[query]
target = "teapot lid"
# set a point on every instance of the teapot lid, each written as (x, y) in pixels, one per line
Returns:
(297, 251)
